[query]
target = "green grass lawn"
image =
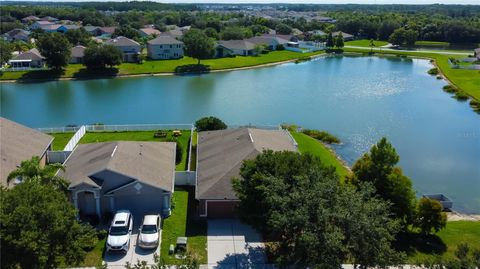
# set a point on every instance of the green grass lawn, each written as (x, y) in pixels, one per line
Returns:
(365, 43)
(61, 140)
(466, 80)
(315, 147)
(431, 43)
(446, 241)
(193, 164)
(164, 66)
(92, 137)
(94, 257)
(182, 223)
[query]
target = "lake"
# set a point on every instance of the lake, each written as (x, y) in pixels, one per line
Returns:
(358, 99)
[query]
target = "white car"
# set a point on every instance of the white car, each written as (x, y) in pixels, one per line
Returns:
(120, 231)
(148, 235)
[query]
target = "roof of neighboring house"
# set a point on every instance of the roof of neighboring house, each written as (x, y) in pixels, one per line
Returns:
(221, 154)
(345, 35)
(152, 163)
(31, 18)
(78, 51)
(108, 30)
(267, 39)
(44, 23)
(71, 26)
(51, 26)
(49, 18)
(16, 32)
(174, 32)
(90, 28)
(122, 41)
(236, 44)
(477, 50)
(32, 54)
(317, 32)
(296, 31)
(149, 31)
(163, 40)
(19, 143)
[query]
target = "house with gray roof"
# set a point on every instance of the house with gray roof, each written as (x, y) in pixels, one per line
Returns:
(346, 36)
(109, 176)
(270, 41)
(20, 143)
(76, 54)
(227, 48)
(29, 59)
(220, 155)
(16, 34)
(164, 47)
(129, 47)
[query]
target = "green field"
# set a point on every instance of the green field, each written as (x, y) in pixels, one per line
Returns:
(466, 80)
(183, 223)
(431, 43)
(365, 43)
(60, 140)
(313, 146)
(161, 66)
(446, 241)
(92, 137)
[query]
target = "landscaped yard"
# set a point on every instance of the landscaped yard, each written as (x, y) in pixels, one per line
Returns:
(92, 137)
(61, 140)
(315, 147)
(182, 223)
(365, 43)
(166, 66)
(431, 43)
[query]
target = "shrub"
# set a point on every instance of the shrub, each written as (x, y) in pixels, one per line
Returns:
(280, 47)
(450, 88)
(460, 96)
(322, 136)
(210, 124)
(102, 234)
(433, 71)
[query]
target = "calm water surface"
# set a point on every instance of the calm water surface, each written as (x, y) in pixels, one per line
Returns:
(359, 99)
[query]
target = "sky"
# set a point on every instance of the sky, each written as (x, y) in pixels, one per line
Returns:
(419, 2)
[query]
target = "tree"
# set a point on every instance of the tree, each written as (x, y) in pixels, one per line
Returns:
(210, 124)
(339, 41)
(39, 228)
(55, 48)
(102, 56)
(379, 168)
(5, 52)
(330, 43)
(126, 31)
(211, 32)
(314, 220)
(283, 29)
(31, 170)
(259, 48)
(429, 216)
(232, 33)
(78, 36)
(198, 45)
(410, 37)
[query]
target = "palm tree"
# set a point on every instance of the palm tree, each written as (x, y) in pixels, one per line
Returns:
(31, 170)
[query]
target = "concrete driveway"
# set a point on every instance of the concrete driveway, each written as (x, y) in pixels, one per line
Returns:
(119, 260)
(232, 244)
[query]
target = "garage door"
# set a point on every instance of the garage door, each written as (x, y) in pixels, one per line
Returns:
(221, 209)
(139, 200)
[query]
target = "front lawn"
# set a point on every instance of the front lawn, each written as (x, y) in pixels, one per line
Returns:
(60, 140)
(182, 223)
(315, 147)
(365, 43)
(95, 256)
(92, 137)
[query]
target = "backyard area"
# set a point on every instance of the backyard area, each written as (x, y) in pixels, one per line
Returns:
(182, 223)
(61, 140)
(365, 43)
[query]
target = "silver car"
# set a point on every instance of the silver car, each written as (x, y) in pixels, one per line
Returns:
(149, 233)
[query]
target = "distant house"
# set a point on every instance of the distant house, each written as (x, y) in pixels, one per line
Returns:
(16, 34)
(164, 47)
(20, 143)
(93, 30)
(40, 24)
(51, 28)
(477, 53)
(29, 59)
(220, 155)
(30, 19)
(317, 33)
(325, 19)
(77, 54)
(296, 32)
(107, 31)
(227, 48)
(130, 48)
(144, 32)
(270, 41)
(67, 27)
(346, 37)
(49, 18)
(137, 176)
(284, 37)
(175, 33)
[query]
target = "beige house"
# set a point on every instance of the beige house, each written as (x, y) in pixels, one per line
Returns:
(20, 143)
(29, 59)
(164, 47)
(220, 155)
(148, 31)
(227, 48)
(130, 48)
(77, 54)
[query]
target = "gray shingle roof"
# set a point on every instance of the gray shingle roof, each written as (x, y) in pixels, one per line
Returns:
(266, 39)
(78, 51)
(164, 40)
(221, 154)
(19, 143)
(152, 163)
(122, 41)
(237, 44)
(32, 54)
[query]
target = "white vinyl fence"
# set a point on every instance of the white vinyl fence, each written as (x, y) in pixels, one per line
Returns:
(75, 139)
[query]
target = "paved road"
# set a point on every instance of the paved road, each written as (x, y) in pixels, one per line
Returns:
(413, 51)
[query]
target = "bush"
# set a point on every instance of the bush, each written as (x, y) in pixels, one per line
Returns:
(210, 124)
(322, 136)
(102, 234)
(280, 47)
(450, 88)
(461, 96)
(433, 71)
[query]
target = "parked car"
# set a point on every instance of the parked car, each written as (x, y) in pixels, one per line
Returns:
(120, 231)
(148, 235)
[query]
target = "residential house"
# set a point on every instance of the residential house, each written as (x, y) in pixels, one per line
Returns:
(67, 27)
(109, 176)
(226, 48)
(296, 32)
(164, 47)
(346, 37)
(30, 19)
(29, 59)
(477, 53)
(49, 18)
(220, 155)
(325, 19)
(107, 31)
(20, 143)
(149, 31)
(93, 30)
(16, 35)
(52, 28)
(77, 54)
(130, 48)
(270, 41)
(40, 24)
(175, 33)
